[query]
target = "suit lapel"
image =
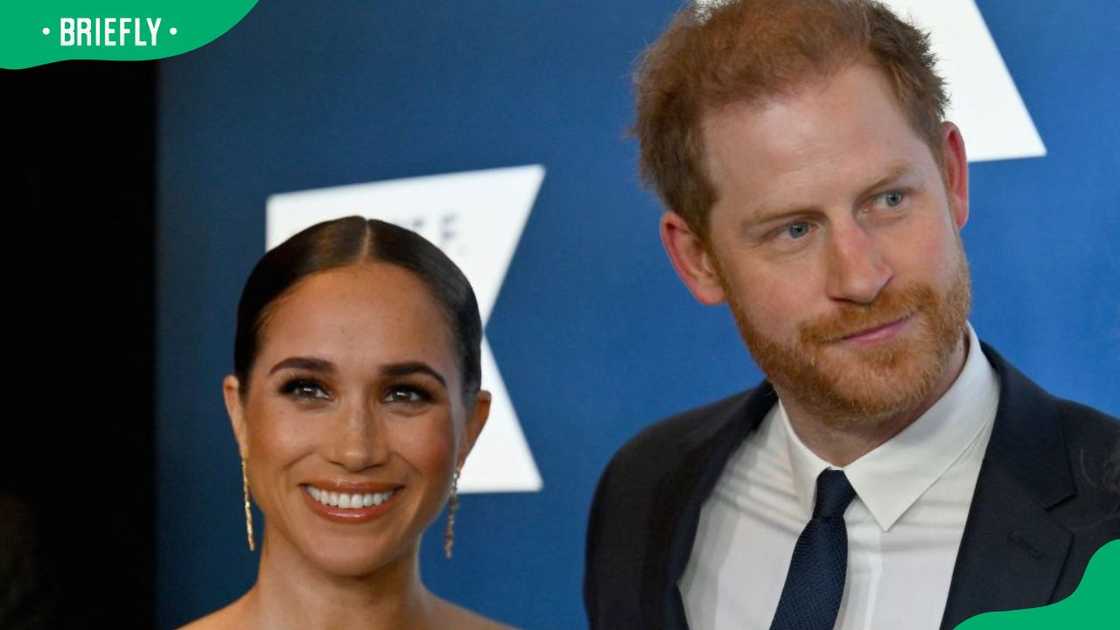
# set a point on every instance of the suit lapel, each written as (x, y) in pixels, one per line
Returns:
(1012, 552)
(681, 495)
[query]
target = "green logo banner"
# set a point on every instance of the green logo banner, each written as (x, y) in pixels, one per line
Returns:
(36, 32)
(1093, 605)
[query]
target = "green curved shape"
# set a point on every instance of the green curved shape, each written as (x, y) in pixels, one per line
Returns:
(1093, 605)
(36, 32)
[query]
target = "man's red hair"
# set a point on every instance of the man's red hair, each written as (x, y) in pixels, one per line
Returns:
(746, 50)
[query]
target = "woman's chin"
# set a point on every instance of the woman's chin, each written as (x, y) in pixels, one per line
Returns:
(349, 560)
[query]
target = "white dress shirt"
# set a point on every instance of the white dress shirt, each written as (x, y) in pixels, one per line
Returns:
(904, 526)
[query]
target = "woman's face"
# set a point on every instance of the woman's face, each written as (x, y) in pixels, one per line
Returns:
(354, 418)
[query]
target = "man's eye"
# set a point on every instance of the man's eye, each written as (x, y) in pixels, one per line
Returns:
(894, 198)
(797, 230)
(305, 389)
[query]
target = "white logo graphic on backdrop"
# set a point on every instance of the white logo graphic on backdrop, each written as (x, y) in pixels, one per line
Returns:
(985, 103)
(476, 218)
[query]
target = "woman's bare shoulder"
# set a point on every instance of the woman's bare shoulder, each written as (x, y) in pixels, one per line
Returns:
(229, 617)
(449, 616)
(458, 617)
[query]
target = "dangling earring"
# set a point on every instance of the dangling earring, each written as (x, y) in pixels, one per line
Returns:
(248, 509)
(452, 508)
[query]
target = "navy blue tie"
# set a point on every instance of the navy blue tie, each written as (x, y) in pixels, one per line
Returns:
(815, 582)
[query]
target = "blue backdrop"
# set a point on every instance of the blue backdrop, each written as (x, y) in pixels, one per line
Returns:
(595, 336)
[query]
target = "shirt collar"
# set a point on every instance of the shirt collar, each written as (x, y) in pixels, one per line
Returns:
(891, 478)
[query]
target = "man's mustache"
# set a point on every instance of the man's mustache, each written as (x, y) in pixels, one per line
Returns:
(849, 319)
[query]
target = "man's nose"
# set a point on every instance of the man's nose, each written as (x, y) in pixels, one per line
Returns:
(857, 268)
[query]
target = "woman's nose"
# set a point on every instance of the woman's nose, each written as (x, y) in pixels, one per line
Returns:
(359, 440)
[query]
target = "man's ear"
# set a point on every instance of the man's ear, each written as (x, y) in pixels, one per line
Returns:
(691, 259)
(231, 392)
(955, 162)
(476, 419)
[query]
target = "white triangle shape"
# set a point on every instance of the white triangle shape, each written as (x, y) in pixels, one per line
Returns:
(476, 218)
(985, 103)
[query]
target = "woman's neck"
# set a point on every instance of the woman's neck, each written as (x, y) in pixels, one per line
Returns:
(291, 593)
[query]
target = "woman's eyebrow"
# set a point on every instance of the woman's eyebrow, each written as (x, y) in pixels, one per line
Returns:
(303, 363)
(412, 367)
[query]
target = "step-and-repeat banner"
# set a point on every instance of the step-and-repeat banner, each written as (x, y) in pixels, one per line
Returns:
(498, 130)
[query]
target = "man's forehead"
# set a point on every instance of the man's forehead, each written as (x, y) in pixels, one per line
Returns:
(855, 109)
(800, 77)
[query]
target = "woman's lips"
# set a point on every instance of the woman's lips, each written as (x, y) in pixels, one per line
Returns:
(353, 503)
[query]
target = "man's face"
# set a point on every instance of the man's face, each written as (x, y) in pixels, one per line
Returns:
(835, 239)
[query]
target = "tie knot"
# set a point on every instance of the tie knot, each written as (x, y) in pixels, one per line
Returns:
(834, 493)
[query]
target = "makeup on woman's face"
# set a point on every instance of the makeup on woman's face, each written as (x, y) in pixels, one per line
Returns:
(354, 419)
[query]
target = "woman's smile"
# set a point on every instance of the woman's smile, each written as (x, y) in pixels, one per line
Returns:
(351, 507)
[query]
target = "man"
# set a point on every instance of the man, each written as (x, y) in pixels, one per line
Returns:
(893, 472)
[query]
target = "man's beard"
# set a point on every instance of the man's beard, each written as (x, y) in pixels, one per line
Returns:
(848, 385)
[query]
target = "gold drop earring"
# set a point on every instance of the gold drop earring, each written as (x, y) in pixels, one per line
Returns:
(452, 508)
(248, 508)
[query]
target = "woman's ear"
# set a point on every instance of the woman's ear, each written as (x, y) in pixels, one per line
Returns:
(476, 419)
(231, 392)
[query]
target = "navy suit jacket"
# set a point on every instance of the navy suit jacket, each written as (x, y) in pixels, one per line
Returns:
(1040, 510)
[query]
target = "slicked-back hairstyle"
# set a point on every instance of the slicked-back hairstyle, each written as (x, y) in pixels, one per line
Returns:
(722, 52)
(349, 241)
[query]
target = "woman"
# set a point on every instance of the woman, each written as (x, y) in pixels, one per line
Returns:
(355, 400)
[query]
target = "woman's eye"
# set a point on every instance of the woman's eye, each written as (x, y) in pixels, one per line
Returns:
(304, 389)
(406, 394)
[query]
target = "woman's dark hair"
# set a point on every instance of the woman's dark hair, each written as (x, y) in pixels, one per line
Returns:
(342, 242)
